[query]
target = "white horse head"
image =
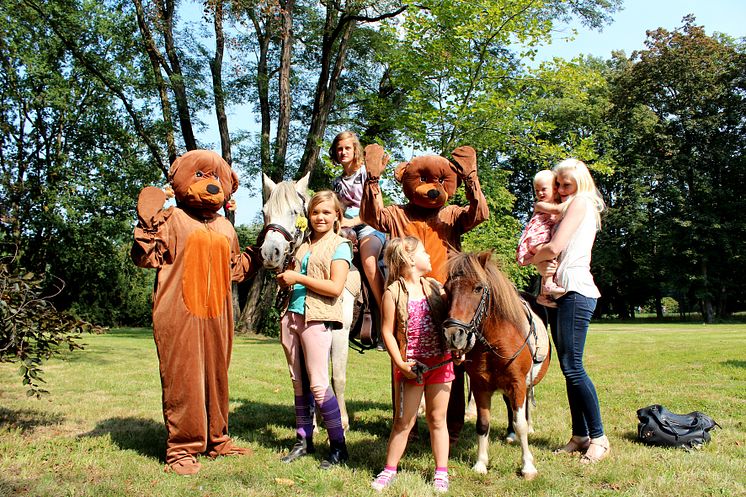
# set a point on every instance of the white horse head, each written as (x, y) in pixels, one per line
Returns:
(284, 220)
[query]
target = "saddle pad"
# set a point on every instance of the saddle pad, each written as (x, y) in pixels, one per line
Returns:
(540, 344)
(353, 282)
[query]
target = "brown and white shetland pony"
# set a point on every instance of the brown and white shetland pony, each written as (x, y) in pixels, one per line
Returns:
(496, 332)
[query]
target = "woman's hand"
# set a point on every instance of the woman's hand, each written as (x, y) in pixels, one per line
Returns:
(406, 369)
(288, 278)
(547, 268)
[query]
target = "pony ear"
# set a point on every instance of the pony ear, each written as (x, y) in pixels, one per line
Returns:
(268, 186)
(484, 257)
(302, 185)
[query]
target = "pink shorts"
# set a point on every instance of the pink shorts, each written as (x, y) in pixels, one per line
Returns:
(443, 374)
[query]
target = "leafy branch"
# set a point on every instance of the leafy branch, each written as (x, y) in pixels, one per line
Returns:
(32, 329)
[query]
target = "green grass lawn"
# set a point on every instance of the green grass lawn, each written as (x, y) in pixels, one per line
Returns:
(101, 433)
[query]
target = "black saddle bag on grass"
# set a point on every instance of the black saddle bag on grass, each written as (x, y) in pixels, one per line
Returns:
(659, 426)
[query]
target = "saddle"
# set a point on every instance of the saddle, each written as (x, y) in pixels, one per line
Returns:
(362, 332)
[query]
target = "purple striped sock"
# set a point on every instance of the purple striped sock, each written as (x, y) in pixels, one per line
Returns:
(303, 419)
(332, 418)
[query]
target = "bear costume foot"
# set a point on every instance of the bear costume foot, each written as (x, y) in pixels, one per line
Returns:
(228, 449)
(185, 466)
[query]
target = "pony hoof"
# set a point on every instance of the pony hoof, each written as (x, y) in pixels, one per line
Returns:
(511, 438)
(480, 468)
(529, 475)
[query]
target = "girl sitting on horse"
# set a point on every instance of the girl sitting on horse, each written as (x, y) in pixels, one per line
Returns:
(315, 308)
(347, 152)
(413, 310)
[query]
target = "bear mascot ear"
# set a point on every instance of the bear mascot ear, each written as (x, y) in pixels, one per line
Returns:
(229, 182)
(401, 168)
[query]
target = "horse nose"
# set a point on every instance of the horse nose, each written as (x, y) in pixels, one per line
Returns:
(213, 189)
(433, 194)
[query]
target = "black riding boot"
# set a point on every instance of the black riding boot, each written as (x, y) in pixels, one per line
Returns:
(337, 454)
(302, 447)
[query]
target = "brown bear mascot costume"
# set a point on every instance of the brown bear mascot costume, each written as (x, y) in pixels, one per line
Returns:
(196, 254)
(428, 182)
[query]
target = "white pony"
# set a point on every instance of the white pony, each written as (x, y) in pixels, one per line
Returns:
(285, 223)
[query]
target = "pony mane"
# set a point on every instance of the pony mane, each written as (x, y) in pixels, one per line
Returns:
(504, 300)
(283, 196)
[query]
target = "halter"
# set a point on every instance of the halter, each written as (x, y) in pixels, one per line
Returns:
(294, 239)
(473, 328)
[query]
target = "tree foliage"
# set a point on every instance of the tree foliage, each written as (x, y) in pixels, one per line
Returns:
(32, 329)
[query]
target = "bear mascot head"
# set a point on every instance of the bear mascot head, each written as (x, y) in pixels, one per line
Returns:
(202, 181)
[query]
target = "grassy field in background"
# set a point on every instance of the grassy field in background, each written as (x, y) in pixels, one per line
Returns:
(101, 433)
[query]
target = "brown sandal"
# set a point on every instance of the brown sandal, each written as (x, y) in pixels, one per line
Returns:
(574, 445)
(592, 459)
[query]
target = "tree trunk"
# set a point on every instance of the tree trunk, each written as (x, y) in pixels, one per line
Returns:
(152, 52)
(658, 306)
(260, 298)
(326, 89)
(216, 68)
(283, 121)
(175, 76)
(262, 78)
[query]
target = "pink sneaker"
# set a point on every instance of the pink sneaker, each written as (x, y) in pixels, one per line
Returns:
(440, 482)
(383, 480)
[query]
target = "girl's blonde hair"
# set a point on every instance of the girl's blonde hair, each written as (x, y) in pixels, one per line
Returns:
(324, 196)
(579, 172)
(399, 255)
(357, 159)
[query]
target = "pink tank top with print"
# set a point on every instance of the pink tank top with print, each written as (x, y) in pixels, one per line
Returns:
(422, 338)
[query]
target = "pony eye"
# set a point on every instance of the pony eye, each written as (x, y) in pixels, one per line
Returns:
(478, 289)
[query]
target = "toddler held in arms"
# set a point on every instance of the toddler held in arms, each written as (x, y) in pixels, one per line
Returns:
(547, 211)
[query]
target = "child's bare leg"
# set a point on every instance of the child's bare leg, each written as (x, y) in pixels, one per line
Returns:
(436, 401)
(370, 248)
(403, 424)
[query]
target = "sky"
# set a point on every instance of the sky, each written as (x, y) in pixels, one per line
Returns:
(626, 32)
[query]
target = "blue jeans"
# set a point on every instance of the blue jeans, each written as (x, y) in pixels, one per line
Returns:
(569, 325)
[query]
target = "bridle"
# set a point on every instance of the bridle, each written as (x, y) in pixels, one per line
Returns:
(473, 328)
(294, 239)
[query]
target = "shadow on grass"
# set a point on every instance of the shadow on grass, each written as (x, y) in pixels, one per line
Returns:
(26, 419)
(734, 363)
(141, 435)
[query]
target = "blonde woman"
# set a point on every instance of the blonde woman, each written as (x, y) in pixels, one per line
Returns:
(572, 244)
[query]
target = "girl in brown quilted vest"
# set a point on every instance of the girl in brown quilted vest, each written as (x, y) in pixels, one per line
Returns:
(413, 310)
(315, 308)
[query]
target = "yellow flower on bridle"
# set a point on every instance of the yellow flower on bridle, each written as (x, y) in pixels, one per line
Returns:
(301, 222)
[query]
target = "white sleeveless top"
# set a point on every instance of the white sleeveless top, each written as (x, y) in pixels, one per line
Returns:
(574, 272)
